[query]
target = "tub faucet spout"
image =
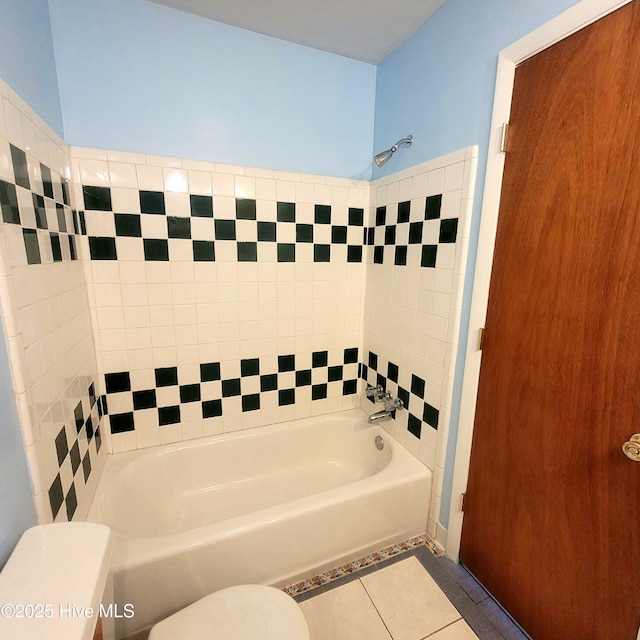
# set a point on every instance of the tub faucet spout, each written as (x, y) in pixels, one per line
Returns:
(390, 406)
(379, 416)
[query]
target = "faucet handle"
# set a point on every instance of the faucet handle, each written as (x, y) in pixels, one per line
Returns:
(391, 403)
(377, 393)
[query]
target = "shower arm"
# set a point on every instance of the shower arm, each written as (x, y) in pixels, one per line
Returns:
(408, 141)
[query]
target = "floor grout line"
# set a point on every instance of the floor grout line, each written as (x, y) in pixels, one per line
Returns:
(442, 628)
(452, 584)
(376, 608)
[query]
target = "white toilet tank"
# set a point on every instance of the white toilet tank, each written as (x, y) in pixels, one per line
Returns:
(53, 585)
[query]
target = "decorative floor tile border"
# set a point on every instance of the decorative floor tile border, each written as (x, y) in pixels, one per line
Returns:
(369, 560)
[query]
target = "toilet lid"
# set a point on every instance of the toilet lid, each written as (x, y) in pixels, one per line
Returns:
(245, 612)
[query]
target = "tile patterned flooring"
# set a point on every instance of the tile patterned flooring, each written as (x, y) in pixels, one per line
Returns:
(412, 596)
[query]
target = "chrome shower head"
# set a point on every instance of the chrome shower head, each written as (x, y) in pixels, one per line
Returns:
(384, 156)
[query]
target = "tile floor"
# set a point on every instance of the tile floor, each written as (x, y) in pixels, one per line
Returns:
(413, 596)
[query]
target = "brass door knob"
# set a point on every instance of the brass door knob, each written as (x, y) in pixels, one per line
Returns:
(631, 448)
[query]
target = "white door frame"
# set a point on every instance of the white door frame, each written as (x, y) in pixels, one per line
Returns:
(575, 18)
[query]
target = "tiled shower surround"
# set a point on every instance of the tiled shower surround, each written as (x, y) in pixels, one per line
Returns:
(222, 297)
(150, 300)
(45, 314)
(420, 219)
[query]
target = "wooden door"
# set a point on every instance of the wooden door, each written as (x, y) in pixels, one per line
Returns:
(551, 524)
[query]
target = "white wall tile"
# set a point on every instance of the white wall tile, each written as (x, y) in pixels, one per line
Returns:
(265, 189)
(223, 185)
(94, 172)
(150, 178)
(163, 161)
(453, 176)
(123, 175)
(435, 182)
(245, 187)
(3, 124)
(13, 124)
(89, 153)
(450, 204)
(285, 191)
(175, 180)
(200, 183)
(6, 165)
(305, 193)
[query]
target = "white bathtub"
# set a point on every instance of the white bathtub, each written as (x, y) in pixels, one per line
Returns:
(270, 505)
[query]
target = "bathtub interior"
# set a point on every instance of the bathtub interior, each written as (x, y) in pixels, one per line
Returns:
(171, 489)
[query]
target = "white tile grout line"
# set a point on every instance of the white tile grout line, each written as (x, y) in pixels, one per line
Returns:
(430, 635)
(442, 628)
(376, 608)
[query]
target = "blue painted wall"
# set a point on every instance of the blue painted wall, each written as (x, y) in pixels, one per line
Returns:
(17, 512)
(438, 85)
(137, 76)
(27, 65)
(26, 57)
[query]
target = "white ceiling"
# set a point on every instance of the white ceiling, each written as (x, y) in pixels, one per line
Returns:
(366, 30)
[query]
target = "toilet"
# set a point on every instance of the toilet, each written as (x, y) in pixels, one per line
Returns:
(56, 581)
(45, 568)
(244, 612)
